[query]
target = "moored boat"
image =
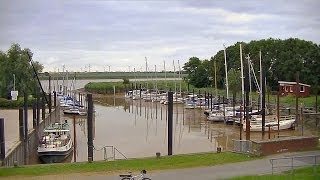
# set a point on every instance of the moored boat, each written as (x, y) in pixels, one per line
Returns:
(55, 144)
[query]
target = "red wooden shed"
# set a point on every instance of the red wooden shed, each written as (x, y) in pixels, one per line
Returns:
(287, 88)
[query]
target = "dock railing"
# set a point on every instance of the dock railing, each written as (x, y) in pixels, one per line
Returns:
(110, 153)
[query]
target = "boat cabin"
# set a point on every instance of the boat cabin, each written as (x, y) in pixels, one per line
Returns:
(291, 88)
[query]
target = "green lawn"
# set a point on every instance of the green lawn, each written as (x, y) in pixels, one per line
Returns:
(165, 162)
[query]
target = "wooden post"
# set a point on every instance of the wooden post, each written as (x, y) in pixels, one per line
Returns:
(211, 102)
(297, 91)
(55, 99)
(74, 140)
(278, 110)
(43, 106)
(2, 142)
(263, 102)
(247, 91)
(38, 107)
(301, 116)
(170, 121)
(240, 134)
(25, 118)
(21, 127)
(34, 115)
(89, 126)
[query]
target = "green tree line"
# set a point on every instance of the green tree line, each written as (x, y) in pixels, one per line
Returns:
(16, 71)
(281, 59)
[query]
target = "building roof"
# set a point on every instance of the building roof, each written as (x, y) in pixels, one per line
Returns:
(292, 83)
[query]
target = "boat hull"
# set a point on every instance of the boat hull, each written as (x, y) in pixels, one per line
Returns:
(54, 156)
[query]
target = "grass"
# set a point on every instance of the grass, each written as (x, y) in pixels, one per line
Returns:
(165, 162)
(303, 173)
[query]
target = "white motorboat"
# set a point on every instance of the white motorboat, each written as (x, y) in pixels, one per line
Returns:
(55, 144)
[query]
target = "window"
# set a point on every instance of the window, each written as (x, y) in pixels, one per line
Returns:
(301, 88)
(291, 90)
(286, 88)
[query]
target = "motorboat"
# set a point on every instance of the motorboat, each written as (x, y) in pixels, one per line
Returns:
(56, 143)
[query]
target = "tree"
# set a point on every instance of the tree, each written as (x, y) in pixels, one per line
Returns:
(281, 58)
(234, 79)
(15, 63)
(198, 72)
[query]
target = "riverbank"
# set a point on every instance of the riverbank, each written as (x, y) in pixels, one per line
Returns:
(109, 167)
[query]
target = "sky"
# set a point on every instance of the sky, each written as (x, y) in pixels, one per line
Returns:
(99, 35)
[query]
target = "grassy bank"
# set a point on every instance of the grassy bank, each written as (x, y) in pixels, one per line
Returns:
(303, 173)
(173, 162)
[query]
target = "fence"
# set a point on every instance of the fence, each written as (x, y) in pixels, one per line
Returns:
(279, 165)
(242, 146)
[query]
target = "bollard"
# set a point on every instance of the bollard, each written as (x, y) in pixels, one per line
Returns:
(218, 149)
(158, 155)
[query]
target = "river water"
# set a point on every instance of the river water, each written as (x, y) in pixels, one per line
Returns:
(139, 129)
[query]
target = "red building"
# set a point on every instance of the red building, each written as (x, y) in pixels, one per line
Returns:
(287, 88)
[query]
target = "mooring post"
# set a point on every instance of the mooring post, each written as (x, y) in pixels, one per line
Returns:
(25, 128)
(21, 128)
(263, 102)
(297, 91)
(55, 98)
(34, 115)
(50, 102)
(43, 106)
(89, 125)
(25, 103)
(211, 102)
(38, 108)
(247, 92)
(2, 142)
(170, 121)
(74, 139)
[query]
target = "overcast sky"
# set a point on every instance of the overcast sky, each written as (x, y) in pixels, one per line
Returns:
(120, 34)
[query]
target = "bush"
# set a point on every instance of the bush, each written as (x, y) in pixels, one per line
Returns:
(9, 104)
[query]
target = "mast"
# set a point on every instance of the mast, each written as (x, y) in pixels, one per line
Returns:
(175, 83)
(147, 71)
(135, 78)
(179, 76)
(242, 83)
(215, 77)
(249, 72)
(165, 73)
(226, 70)
(260, 77)
(155, 75)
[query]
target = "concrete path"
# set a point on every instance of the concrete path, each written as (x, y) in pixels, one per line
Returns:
(255, 167)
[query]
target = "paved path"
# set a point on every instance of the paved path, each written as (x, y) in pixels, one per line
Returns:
(255, 167)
